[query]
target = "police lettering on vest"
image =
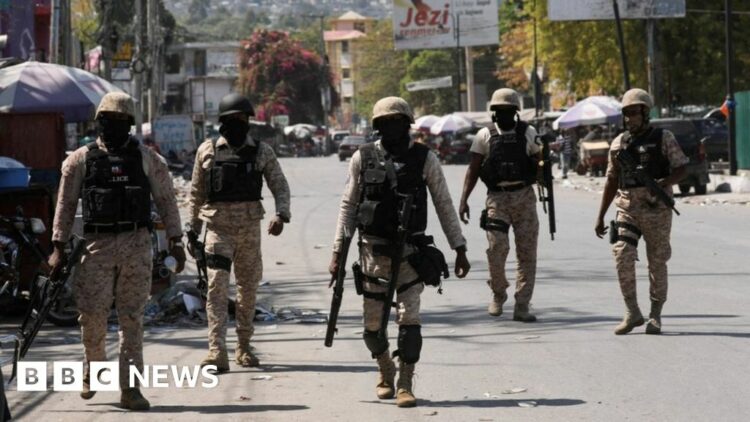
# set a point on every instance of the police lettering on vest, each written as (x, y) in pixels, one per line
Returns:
(647, 152)
(234, 176)
(115, 188)
(508, 160)
(377, 213)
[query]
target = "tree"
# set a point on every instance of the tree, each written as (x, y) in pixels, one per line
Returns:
(198, 10)
(380, 67)
(425, 65)
(282, 78)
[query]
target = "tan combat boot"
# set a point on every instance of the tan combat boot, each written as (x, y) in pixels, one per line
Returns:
(633, 318)
(405, 396)
(496, 304)
(217, 358)
(244, 356)
(521, 313)
(654, 318)
(86, 392)
(387, 372)
(131, 398)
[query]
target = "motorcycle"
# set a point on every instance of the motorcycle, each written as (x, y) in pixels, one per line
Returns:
(24, 268)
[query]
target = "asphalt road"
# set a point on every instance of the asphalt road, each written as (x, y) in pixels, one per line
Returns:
(568, 366)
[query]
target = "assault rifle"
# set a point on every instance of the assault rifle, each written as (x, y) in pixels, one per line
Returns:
(404, 217)
(199, 251)
(337, 281)
(43, 299)
(630, 166)
(544, 187)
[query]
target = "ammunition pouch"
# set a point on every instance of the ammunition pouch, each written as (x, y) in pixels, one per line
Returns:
(359, 278)
(218, 262)
(430, 265)
(493, 224)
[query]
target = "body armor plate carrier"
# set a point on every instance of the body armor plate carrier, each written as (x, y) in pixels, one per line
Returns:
(233, 176)
(377, 213)
(647, 152)
(115, 187)
(508, 160)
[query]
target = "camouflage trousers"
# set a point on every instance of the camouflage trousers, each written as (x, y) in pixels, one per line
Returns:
(407, 301)
(241, 244)
(115, 267)
(655, 225)
(518, 210)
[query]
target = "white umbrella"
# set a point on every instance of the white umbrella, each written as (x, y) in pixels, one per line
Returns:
(425, 122)
(450, 123)
(594, 110)
(300, 130)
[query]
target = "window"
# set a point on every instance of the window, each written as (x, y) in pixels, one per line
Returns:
(346, 73)
(344, 47)
(199, 63)
(172, 64)
(360, 26)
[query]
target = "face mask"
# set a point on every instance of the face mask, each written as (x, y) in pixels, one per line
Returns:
(505, 119)
(636, 124)
(114, 132)
(394, 136)
(235, 132)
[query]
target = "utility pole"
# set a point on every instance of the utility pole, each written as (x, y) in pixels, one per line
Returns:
(470, 100)
(54, 36)
(535, 73)
(137, 76)
(66, 33)
(324, 88)
(459, 78)
(652, 73)
(154, 53)
(730, 89)
(621, 41)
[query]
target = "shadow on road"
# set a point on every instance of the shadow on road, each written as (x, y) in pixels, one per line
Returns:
(205, 409)
(490, 403)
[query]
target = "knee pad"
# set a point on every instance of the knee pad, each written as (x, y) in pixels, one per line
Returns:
(374, 343)
(409, 343)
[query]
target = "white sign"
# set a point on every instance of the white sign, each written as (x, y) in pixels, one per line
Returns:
(444, 82)
(174, 133)
(433, 23)
(567, 10)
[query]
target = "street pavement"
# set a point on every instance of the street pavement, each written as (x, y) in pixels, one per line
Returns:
(568, 366)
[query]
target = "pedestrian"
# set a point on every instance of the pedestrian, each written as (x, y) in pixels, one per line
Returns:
(116, 178)
(565, 141)
(639, 213)
(226, 194)
(380, 174)
(506, 158)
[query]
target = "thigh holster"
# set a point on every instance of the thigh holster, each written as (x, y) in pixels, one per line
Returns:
(614, 233)
(218, 262)
(492, 224)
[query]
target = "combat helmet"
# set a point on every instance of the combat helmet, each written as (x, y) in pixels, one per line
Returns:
(637, 96)
(235, 103)
(117, 102)
(389, 106)
(505, 97)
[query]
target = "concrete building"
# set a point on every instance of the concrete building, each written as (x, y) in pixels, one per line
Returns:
(198, 75)
(342, 47)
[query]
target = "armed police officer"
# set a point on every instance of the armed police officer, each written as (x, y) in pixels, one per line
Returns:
(506, 158)
(226, 194)
(116, 179)
(639, 211)
(383, 177)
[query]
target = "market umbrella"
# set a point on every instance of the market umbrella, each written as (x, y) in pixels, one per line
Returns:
(300, 130)
(34, 87)
(450, 123)
(425, 122)
(594, 110)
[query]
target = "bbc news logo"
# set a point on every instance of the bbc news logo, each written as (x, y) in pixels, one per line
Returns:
(105, 376)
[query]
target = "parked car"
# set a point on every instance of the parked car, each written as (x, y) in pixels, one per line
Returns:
(716, 142)
(349, 145)
(692, 142)
(337, 136)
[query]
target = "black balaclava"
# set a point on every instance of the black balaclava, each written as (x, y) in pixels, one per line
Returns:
(640, 129)
(394, 135)
(235, 131)
(114, 132)
(504, 117)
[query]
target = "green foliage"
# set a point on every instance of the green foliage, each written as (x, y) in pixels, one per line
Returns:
(380, 67)
(198, 10)
(431, 64)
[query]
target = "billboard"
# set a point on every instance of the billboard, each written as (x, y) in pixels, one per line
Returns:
(566, 10)
(419, 24)
(434, 83)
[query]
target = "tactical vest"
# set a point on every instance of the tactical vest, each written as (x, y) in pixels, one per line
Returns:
(646, 150)
(233, 176)
(115, 187)
(508, 160)
(377, 213)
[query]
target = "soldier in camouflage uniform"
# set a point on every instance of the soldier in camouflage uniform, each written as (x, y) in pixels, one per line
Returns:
(638, 211)
(116, 179)
(226, 194)
(506, 158)
(370, 204)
